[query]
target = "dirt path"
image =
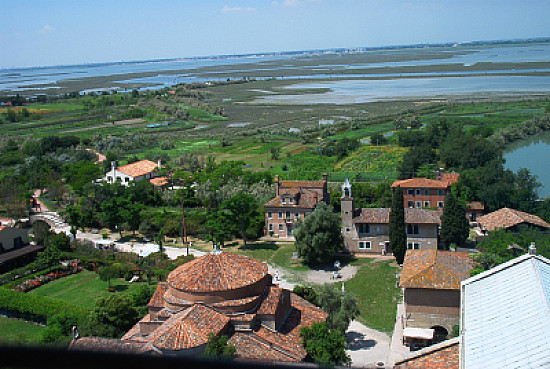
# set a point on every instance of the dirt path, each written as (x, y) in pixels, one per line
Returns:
(100, 157)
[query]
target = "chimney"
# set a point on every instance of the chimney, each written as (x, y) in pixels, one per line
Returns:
(532, 249)
(159, 164)
(113, 165)
(325, 177)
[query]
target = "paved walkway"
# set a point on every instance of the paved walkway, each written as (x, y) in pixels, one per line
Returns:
(397, 350)
(367, 347)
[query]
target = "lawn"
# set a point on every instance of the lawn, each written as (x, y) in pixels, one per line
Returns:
(82, 289)
(17, 332)
(374, 285)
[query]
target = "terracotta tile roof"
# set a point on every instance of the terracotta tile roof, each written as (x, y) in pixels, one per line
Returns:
(217, 272)
(304, 199)
(159, 181)
(134, 334)
(139, 168)
(2, 228)
(303, 184)
(288, 337)
(251, 347)
(189, 329)
(434, 269)
(444, 355)
(506, 218)
(412, 216)
(271, 301)
(111, 345)
(475, 205)
(157, 300)
(421, 183)
(234, 303)
(450, 177)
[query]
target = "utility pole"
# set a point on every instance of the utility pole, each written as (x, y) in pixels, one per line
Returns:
(184, 229)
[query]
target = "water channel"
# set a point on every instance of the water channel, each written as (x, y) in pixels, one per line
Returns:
(532, 153)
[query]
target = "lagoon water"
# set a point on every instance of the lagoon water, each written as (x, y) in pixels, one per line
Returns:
(532, 153)
(189, 70)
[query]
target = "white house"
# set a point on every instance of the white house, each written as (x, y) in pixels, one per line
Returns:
(144, 169)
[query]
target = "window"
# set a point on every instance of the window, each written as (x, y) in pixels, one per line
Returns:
(283, 199)
(270, 227)
(418, 191)
(413, 246)
(410, 192)
(280, 215)
(296, 215)
(363, 228)
(426, 192)
(348, 229)
(410, 204)
(269, 215)
(440, 204)
(419, 204)
(291, 200)
(126, 179)
(441, 192)
(412, 229)
(426, 204)
(288, 215)
(364, 245)
(281, 227)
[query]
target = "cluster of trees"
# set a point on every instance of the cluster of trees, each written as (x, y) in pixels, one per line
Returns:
(479, 162)
(325, 342)
(339, 148)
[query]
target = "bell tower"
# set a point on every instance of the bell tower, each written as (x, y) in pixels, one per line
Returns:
(347, 208)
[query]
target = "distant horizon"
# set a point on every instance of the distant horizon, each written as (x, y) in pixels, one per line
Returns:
(37, 33)
(526, 40)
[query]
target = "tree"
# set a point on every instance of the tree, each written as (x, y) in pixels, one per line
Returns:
(243, 208)
(324, 345)
(50, 257)
(59, 329)
(398, 235)
(218, 348)
(112, 317)
(319, 236)
(454, 224)
(218, 227)
(341, 307)
(107, 273)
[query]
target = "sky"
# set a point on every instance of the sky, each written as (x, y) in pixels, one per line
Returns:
(64, 32)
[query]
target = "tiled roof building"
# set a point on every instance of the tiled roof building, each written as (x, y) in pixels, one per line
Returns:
(507, 218)
(294, 200)
(424, 192)
(133, 172)
(431, 282)
(444, 355)
(366, 231)
(223, 293)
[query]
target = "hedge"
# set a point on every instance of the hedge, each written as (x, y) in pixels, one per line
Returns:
(37, 308)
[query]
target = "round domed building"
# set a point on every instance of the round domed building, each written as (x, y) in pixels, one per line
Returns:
(225, 293)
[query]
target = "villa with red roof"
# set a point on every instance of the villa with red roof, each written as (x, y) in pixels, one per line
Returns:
(294, 200)
(424, 192)
(223, 294)
(133, 172)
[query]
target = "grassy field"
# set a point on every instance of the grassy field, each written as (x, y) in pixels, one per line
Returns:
(82, 289)
(19, 332)
(374, 286)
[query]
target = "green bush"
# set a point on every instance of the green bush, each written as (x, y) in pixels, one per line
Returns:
(36, 308)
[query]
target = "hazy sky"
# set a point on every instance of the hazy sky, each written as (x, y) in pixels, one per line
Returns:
(44, 32)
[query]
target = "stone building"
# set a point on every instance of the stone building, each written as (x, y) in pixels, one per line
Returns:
(367, 230)
(223, 293)
(293, 200)
(431, 283)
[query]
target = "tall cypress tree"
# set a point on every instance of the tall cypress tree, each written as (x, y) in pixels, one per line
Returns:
(398, 235)
(454, 224)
